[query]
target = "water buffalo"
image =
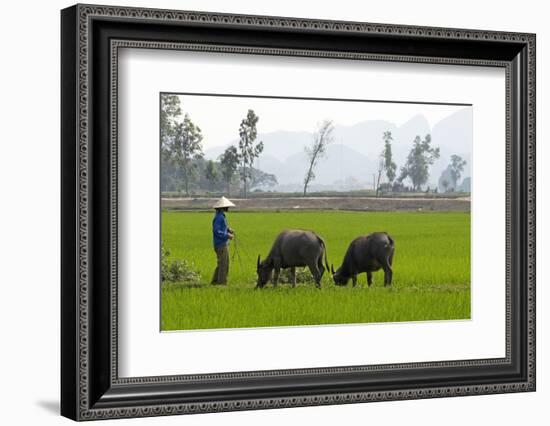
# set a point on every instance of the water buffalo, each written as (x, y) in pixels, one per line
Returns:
(291, 249)
(366, 254)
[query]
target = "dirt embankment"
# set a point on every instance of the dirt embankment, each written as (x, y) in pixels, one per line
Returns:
(326, 203)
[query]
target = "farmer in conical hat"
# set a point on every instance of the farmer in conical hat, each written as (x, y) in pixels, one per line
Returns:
(222, 234)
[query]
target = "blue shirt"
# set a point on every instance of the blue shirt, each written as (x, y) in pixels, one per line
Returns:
(219, 229)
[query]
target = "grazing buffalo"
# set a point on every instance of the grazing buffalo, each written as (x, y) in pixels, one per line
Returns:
(366, 254)
(291, 249)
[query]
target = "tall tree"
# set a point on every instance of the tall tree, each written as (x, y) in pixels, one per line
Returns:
(186, 145)
(456, 168)
(248, 150)
(389, 165)
(170, 115)
(420, 158)
(322, 138)
(170, 112)
(229, 163)
(385, 161)
(211, 174)
(380, 170)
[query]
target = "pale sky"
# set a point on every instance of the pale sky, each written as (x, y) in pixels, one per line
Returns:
(219, 117)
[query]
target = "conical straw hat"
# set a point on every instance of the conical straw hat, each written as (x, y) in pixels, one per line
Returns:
(223, 202)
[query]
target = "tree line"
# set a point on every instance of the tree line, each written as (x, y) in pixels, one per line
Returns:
(416, 168)
(183, 164)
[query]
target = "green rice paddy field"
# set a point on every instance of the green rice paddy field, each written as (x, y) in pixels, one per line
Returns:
(431, 271)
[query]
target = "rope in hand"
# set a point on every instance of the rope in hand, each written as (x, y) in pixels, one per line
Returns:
(236, 252)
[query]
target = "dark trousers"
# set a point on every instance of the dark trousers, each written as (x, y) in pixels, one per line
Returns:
(222, 267)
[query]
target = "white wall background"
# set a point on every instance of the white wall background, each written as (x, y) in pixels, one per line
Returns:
(29, 211)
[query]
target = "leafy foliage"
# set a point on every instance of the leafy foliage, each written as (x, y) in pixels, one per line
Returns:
(456, 168)
(248, 150)
(211, 173)
(303, 275)
(420, 158)
(181, 142)
(385, 162)
(179, 271)
(229, 162)
(389, 165)
(170, 111)
(262, 179)
(185, 146)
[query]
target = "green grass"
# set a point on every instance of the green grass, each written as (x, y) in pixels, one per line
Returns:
(431, 279)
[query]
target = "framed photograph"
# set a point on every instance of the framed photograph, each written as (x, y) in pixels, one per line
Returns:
(263, 212)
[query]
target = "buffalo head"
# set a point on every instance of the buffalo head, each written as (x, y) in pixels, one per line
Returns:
(264, 270)
(338, 277)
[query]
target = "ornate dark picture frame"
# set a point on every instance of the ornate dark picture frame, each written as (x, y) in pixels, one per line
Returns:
(90, 386)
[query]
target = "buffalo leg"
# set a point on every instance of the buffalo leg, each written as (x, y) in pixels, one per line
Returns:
(316, 274)
(320, 266)
(388, 273)
(293, 276)
(369, 278)
(276, 273)
(354, 279)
